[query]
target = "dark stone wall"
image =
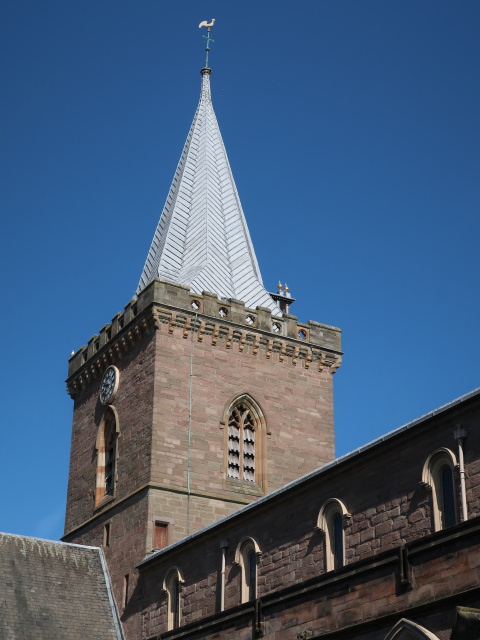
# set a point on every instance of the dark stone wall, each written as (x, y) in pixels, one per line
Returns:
(390, 510)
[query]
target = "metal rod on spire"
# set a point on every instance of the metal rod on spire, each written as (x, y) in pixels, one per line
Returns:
(209, 25)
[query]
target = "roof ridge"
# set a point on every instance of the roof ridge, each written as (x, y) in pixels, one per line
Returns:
(59, 542)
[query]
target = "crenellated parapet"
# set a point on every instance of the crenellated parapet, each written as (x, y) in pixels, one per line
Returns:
(170, 307)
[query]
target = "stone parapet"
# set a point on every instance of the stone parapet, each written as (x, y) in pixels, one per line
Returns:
(224, 322)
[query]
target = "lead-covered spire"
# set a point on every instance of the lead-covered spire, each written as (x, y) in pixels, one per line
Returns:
(202, 239)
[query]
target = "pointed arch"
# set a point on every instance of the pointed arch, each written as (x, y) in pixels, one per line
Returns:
(107, 451)
(405, 629)
(172, 586)
(247, 556)
(245, 440)
(438, 475)
(332, 518)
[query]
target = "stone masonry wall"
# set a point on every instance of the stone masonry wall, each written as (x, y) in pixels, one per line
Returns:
(297, 404)
(160, 408)
(133, 403)
(389, 510)
(155, 346)
(172, 509)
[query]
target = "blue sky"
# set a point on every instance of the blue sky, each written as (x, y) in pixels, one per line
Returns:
(353, 133)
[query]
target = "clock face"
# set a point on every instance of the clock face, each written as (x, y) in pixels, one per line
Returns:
(109, 385)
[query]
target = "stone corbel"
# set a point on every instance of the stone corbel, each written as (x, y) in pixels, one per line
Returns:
(186, 328)
(321, 361)
(269, 348)
(145, 323)
(296, 351)
(72, 390)
(241, 344)
(335, 364)
(346, 520)
(308, 358)
(171, 324)
(201, 331)
(216, 333)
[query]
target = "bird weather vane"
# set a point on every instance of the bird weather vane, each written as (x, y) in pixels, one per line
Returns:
(209, 25)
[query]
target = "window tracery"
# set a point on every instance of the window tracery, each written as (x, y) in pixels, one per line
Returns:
(241, 443)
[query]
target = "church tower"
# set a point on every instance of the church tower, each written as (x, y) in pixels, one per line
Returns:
(202, 395)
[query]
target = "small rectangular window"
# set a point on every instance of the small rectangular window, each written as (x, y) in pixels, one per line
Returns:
(160, 536)
(106, 535)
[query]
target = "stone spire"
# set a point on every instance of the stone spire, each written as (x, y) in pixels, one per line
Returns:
(202, 239)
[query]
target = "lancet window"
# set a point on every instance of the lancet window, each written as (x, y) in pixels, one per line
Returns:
(241, 443)
(439, 476)
(106, 456)
(247, 556)
(331, 520)
(172, 586)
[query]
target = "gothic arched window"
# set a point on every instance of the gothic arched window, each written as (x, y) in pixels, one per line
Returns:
(246, 557)
(438, 475)
(172, 586)
(245, 441)
(241, 444)
(106, 455)
(331, 521)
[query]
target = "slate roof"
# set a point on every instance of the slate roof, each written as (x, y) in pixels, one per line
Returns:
(53, 591)
(202, 239)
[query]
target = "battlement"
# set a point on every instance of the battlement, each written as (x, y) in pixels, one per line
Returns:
(163, 302)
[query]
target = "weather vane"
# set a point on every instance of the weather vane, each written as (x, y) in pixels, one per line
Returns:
(209, 25)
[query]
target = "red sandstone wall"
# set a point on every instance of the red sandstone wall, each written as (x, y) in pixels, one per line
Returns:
(380, 488)
(154, 394)
(297, 404)
(133, 403)
(152, 403)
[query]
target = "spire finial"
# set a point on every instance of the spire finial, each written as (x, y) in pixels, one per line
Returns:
(209, 25)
